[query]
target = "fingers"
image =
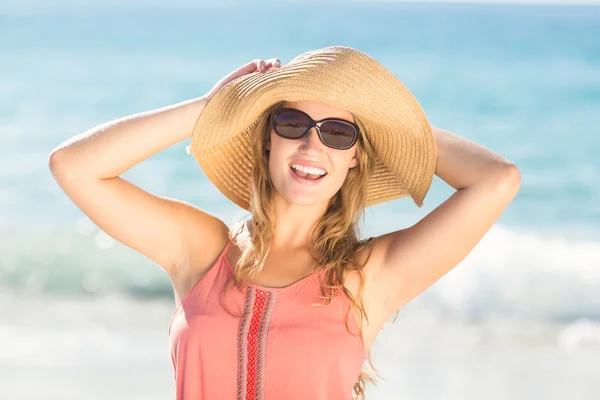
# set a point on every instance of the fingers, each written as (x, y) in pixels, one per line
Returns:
(263, 65)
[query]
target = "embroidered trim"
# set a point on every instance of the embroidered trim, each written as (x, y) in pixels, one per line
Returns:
(252, 343)
(243, 328)
(261, 345)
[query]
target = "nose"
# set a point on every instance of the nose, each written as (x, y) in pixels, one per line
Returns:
(312, 141)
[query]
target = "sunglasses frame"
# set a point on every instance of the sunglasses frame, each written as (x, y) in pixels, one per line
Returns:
(316, 124)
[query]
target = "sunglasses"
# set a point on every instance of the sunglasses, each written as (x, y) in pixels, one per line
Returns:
(336, 133)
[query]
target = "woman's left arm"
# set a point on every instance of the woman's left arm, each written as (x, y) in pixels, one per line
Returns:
(414, 258)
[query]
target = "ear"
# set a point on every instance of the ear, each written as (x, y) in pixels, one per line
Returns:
(354, 161)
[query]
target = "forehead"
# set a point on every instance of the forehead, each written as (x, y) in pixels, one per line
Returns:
(318, 110)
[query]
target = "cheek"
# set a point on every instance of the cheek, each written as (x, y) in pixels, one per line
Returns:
(342, 162)
(277, 155)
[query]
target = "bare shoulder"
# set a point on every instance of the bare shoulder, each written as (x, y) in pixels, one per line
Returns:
(371, 258)
(207, 236)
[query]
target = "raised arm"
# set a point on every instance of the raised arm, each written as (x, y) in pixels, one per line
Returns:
(87, 168)
(180, 237)
(412, 259)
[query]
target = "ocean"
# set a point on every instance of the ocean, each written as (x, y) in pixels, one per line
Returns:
(83, 317)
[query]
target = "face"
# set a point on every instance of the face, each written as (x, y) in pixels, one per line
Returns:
(284, 153)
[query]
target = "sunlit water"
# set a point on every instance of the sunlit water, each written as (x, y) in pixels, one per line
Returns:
(83, 317)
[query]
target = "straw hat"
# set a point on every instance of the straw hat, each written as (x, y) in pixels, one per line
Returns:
(386, 112)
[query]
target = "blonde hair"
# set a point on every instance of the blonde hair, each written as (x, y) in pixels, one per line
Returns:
(335, 238)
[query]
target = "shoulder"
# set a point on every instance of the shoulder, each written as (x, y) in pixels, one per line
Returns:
(368, 259)
(208, 236)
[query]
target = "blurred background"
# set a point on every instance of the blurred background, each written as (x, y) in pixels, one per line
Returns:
(83, 317)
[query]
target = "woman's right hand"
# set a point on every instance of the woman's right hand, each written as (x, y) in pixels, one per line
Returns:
(180, 237)
(257, 64)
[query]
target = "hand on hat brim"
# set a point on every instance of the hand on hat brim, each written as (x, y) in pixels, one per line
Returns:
(256, 65)
(261, 65)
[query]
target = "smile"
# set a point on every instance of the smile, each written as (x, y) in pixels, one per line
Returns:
(307, 175)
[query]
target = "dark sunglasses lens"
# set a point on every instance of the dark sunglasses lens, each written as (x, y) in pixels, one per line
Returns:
(338, 134)
(291, 124)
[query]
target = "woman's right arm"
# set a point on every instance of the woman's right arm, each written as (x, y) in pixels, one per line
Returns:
(181, 238)
(87, 168)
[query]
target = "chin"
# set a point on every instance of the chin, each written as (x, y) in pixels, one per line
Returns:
(293, 193)
(304, 200)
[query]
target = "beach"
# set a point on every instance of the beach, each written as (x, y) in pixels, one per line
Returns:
(83, 317)
(116, 348)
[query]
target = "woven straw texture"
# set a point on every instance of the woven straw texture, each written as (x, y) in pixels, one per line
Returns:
(387, 113)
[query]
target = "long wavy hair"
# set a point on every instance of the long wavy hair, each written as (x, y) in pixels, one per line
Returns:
(335, 238)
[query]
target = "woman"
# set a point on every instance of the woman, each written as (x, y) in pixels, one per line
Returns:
(289, 312)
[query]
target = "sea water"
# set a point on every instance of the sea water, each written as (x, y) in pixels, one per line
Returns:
(81, 316)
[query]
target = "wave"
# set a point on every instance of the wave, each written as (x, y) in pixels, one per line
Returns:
(510, 272)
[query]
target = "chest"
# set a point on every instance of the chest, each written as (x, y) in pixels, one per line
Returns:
(265, 330)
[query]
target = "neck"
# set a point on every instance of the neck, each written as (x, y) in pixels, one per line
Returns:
(294, 225)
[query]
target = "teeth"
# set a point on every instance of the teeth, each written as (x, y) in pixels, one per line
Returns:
(308, 170)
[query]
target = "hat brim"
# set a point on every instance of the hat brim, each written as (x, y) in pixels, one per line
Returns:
(386, 111)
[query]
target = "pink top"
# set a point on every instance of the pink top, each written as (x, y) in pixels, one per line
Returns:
(281, 347)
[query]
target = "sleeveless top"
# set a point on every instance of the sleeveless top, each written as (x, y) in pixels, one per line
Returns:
(277, 346)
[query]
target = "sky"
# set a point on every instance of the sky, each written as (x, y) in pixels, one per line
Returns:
(33, 7)
(83, 3)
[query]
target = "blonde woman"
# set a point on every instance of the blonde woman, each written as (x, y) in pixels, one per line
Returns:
(288, 304)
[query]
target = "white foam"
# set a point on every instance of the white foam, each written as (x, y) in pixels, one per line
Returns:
(522, 275)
